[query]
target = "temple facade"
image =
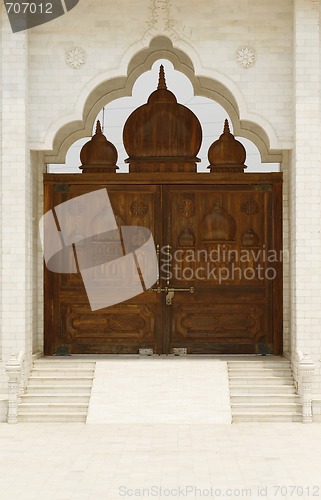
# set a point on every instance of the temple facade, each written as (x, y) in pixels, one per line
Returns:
(259, 60)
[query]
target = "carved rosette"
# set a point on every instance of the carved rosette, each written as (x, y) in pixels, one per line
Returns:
(75, 57)
(139, 208)
(245, 57)
(160, 15)
(249, 207)
(186, 208)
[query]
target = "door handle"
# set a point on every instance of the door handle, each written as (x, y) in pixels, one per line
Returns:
(167, 289)
(170, 292)
(190, 289)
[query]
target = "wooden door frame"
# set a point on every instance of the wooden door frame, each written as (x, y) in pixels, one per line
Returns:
(265, 181)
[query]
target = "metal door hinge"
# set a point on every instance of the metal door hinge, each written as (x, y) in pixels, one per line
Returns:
(179, 351)
(263, 187)
(62, 187)
(146, 352)
(62, 350)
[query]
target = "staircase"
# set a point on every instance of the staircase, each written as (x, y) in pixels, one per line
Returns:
(262, 390)
(58, 391)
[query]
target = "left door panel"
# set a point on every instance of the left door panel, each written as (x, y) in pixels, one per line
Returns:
(70, 323)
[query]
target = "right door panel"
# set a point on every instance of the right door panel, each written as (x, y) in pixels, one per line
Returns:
(222, 243)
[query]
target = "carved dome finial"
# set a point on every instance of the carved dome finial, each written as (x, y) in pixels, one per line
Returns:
(161, 80)
(98, 127)
(227, 154)
(226, 127)
(98, 155)
(162, 134)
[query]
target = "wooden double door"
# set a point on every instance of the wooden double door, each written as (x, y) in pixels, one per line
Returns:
(219, 286)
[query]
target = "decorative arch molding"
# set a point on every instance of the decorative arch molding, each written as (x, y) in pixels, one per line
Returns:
(260, 132)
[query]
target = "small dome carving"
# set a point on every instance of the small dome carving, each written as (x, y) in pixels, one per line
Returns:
(250, 238)
(186, 238)
(98, 154)
(227, 154)
(162, 129)
(218, 225)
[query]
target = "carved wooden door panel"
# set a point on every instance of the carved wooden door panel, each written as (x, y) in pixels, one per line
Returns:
(70, 324)
(222, 242)
(219, 252)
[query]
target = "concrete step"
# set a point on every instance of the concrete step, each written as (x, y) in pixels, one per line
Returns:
(241, 388)
(260, 364)
(25, 408)
(266, 417)
(238, 408)
(263, 391)
(62, 372)
(57, 380)
(59, 389)
(62, 363)
(57, 417)
(265, 398)
(260, 372)
(55, 398)
(249, 380)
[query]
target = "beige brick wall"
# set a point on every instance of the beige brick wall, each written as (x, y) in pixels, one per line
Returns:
(280, 92)
(16, 207)
(305, 188)
(209, 32)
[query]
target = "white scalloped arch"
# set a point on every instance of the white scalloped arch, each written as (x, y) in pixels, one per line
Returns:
(96, 94)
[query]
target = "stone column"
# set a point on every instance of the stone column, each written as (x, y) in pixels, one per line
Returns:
(306, 369)
(305, 186)
(13, 368)
(16, 209)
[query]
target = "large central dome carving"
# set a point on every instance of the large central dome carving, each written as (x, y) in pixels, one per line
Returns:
(162, 131)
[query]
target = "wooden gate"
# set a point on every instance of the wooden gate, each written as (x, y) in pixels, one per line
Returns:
(218, 237)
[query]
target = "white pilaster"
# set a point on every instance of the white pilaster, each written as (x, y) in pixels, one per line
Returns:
(305, 189)
(16, 209)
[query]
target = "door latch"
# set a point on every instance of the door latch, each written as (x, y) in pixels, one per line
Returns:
(169, 296)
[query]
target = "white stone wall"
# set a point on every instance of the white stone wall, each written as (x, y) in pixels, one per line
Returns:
(2, 376)
(209, 32)
(305, 188)
(280, 92)
(16, 206)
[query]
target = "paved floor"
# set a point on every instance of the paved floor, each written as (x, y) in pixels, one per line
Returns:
(160, 390)
(102, 462)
